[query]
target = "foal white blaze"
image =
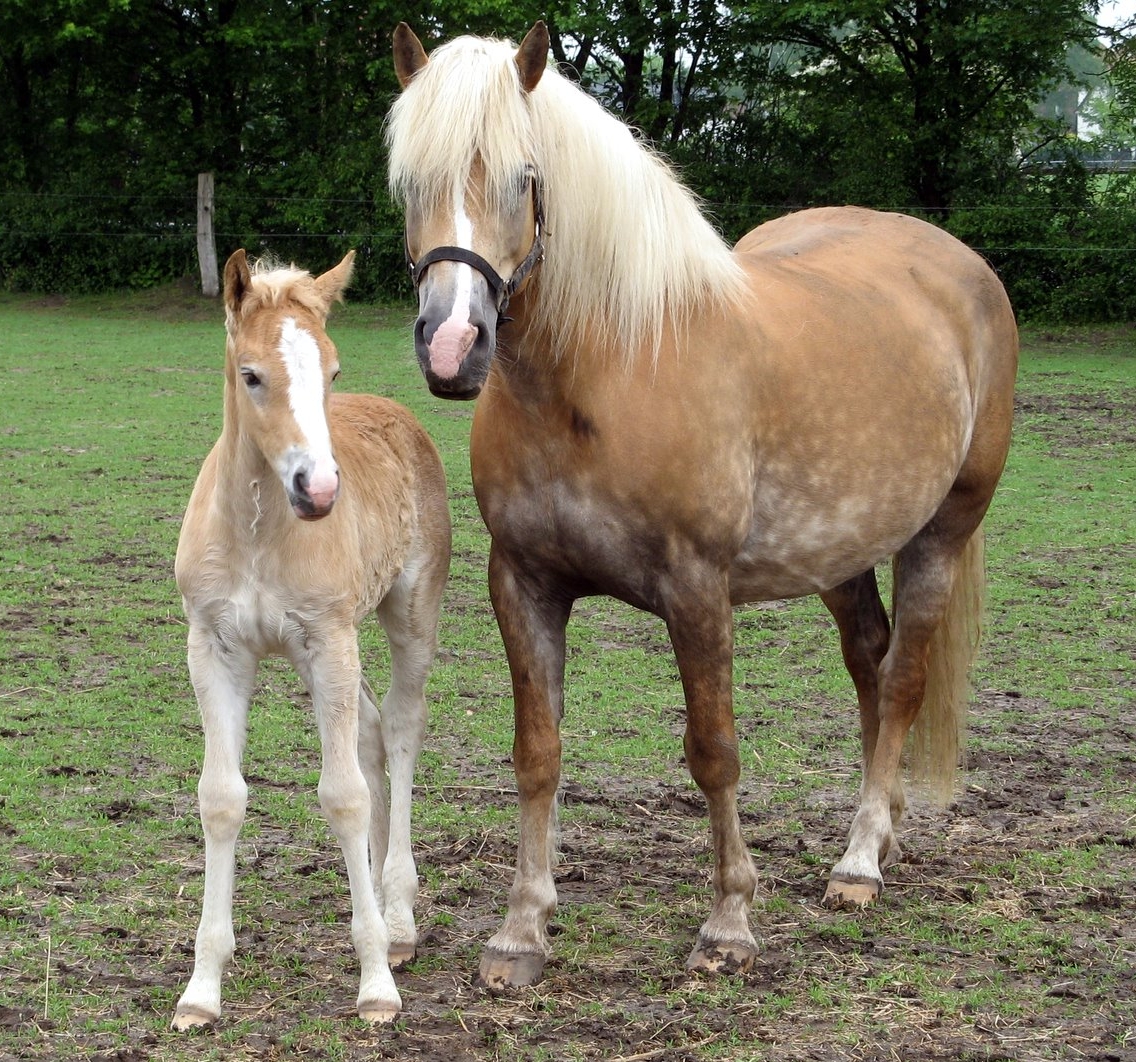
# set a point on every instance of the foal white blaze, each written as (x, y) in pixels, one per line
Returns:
(311, 464)
(256, 581)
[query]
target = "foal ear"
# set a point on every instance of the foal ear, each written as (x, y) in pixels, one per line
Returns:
(409, 55)
(331, 284)
(238, 278)
(532, 55)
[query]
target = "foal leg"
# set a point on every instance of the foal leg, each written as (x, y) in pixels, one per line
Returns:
(223, 680)
(702, 634)
(533, 620)
(409, 616)
(332, 674)
(864, 636)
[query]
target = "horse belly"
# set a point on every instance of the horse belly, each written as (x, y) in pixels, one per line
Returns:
(805, 542)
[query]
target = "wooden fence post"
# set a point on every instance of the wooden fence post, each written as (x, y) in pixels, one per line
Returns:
(206, 244)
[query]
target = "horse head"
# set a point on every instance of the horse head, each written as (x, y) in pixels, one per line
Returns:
(473, 218)
(280, 365)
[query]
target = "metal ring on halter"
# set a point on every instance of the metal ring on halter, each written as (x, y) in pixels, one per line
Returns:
(503, 290)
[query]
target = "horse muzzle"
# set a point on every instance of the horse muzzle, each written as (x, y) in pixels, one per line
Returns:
(454, 354)
(312, 501)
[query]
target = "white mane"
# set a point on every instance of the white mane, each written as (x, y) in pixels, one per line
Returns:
(627, 247)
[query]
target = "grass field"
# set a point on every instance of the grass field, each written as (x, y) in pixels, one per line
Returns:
(1009, 931)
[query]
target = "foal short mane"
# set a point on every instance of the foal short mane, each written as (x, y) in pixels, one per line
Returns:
(627, 247)
(274, 284)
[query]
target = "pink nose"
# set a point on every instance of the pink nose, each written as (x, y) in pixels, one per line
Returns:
(449, 347)
(313, 498)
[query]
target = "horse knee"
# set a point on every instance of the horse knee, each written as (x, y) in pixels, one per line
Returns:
(713, 763)
(222, 803)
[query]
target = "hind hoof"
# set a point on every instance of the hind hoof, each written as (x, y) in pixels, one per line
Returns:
(718, 957)
(500, 970)
(398, 955)
(861, 892)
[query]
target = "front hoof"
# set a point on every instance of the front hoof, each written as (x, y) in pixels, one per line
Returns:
(718, 957)
(379, 1013)
(192, 1018)
(500, 970)
(858, 892)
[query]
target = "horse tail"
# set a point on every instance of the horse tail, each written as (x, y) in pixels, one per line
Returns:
(938, 734)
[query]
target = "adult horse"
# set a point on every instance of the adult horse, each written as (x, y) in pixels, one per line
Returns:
(686, 427)
(311, 511)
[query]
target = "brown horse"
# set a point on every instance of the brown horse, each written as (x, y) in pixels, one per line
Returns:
(310, 512)
(687, 427)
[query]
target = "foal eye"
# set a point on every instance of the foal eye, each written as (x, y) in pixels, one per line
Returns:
(250, 378)
(335, 375)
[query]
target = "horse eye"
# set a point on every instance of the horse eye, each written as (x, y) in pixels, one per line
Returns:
(250, 377)
(335, 375)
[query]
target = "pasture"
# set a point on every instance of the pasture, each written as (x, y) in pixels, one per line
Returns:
(1008, 932)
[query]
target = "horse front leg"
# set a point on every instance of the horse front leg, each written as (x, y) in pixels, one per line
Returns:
(532, 619)
(333, 677)
(223, 680)
(700, 624)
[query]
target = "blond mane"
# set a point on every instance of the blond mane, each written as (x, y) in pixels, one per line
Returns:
(274, 284)
(628, 250)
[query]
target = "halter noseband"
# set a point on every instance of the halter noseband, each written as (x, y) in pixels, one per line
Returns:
(503, 290)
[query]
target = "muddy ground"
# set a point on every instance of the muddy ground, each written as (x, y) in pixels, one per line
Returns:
(1008, 931)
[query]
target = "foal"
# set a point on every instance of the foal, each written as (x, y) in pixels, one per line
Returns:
(310, 511)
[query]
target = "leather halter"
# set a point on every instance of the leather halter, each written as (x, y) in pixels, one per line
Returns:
(503, 290)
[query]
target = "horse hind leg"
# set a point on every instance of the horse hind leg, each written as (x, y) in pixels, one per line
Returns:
(865, 633)
(937, 580)
(409, 616)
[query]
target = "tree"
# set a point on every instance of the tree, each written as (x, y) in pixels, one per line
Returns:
(945, 80)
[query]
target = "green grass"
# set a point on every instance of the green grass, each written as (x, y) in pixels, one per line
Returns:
(1022, 886)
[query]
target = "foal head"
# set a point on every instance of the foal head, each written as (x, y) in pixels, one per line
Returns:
(473, 216)
(279, 367)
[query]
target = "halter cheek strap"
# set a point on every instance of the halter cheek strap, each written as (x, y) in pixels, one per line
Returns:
(503, 290)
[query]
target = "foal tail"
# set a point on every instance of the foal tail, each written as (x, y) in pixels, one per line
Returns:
(939, 731)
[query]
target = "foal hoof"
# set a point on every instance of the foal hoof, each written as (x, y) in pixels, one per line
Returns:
(191, 1018)
(719, 957)
(500, 970)
(860, 892)
(398, 955)
(379, 1013)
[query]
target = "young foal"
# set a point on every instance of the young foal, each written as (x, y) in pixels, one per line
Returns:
(309, 512)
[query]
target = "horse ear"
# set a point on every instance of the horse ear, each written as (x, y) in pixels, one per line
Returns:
(238, 277)
(532, 55)
(331, 284)
(409, 55)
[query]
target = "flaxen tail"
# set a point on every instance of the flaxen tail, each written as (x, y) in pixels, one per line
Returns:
(938, 734)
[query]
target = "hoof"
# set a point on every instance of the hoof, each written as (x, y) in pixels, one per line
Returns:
(398, 955)
(718, 957)
(191, 1018)
(379, 1013)
(500, 970)
(859, 893)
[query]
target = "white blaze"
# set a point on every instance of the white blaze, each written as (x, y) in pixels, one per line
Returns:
(300, 354)
(463, 237)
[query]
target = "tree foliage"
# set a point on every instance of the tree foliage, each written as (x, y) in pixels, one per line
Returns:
(110, 108)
